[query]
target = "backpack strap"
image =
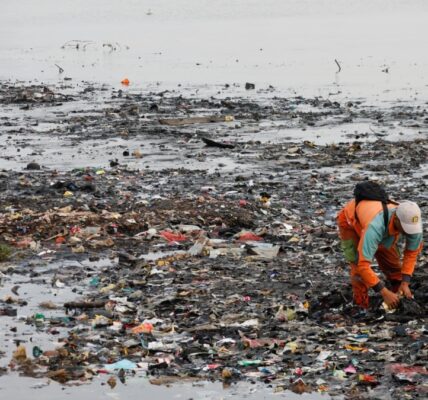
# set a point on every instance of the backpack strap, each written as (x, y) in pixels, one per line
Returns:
(356, 215)
(385, 217)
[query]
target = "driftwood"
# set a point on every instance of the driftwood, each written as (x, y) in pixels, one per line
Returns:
(191, 120)
(212, 143)
(84, 304)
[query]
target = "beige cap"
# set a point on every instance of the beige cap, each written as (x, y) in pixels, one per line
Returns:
(409, 215)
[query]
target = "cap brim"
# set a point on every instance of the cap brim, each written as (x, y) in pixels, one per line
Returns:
(412, 229)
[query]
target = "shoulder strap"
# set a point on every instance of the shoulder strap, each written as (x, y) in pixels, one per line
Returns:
(385, 217)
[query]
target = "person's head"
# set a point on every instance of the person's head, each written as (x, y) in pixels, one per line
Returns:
(408, 219)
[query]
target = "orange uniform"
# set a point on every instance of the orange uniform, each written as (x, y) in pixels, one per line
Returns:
(364, 237)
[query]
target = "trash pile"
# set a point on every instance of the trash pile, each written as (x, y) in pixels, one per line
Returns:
(31, 95)
(186, 275)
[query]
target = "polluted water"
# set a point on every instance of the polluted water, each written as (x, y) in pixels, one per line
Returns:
(177, 236)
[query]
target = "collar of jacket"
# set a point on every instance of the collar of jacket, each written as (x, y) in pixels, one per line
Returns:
(392, 230)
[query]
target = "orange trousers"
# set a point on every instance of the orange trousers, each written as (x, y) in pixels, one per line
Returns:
(389, 263)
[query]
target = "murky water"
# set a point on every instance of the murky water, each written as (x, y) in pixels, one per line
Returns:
(138, 388)
(291, 44)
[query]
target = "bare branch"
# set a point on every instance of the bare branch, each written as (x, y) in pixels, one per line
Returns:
(61, 70)
(337, 63)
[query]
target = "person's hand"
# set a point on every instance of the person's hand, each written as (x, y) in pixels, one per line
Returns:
(405, 290)
(390, 298)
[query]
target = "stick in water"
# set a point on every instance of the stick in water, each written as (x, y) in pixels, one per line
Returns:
(337, 63)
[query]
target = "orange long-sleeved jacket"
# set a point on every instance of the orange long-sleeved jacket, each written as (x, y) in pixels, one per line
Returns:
(362, 237)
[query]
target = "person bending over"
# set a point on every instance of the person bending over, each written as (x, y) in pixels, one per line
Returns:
(371, 229)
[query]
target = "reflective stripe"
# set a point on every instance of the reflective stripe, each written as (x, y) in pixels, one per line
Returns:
(413, 241)
(372, 237)
(349, 250)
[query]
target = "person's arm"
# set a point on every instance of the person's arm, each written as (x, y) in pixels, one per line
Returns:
(348, 237)
(413, 248)
(367, 247)
(369, 243)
